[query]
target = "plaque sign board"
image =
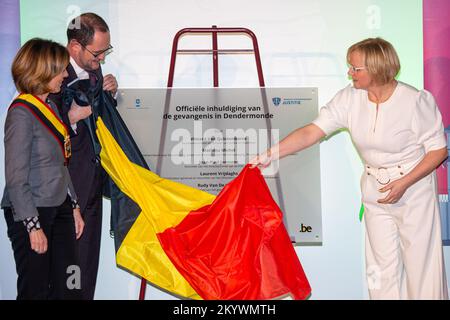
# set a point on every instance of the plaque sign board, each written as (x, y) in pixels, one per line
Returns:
(203, 137)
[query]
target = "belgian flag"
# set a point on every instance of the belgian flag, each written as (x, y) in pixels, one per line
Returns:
(196, 245)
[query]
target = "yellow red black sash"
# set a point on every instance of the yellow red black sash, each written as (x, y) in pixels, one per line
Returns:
(45, 114)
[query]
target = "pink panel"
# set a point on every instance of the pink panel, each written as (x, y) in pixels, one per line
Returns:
(436, 36)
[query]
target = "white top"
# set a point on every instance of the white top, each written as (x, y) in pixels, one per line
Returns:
(405, 128)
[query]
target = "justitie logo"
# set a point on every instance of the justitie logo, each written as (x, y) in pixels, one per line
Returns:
(276, 101)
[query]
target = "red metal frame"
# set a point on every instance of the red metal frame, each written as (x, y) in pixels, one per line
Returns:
(214, 31)
(215, 51)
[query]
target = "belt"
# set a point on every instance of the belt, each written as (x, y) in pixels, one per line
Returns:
(384, 175)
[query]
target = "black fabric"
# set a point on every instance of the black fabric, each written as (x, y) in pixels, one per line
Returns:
(84, 162)
(89, 244)
(45, 276)
(85, 171)
(124, 211)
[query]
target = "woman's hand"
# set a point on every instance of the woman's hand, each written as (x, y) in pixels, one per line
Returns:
(79, 222)
(397, 189)
(296, 141)
(38, 241)
(263, 160)
(427, 165)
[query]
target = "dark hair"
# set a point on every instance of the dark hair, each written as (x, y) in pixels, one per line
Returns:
(83, 27)
(36, 63)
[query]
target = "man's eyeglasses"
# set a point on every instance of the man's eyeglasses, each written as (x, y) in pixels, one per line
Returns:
(96, 54)
(355, 69)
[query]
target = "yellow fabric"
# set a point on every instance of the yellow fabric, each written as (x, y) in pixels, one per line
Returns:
(164, 204)
(46, 112)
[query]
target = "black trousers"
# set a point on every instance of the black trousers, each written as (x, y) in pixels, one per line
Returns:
(89, 243)
(52, 275)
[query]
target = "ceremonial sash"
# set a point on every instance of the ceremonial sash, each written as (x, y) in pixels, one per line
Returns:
(45, 114)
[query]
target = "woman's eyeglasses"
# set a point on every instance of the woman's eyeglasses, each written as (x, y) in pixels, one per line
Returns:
(355, 69)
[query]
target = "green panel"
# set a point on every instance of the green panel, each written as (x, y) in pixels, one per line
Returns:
(346, 22)
(50, 18)
(401, 24)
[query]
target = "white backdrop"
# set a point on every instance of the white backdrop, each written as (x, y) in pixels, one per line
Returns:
(302, 43)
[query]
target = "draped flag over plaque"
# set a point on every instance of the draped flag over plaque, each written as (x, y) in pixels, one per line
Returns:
(197, 245)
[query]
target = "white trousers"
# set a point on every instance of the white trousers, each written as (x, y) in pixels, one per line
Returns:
(404, 255)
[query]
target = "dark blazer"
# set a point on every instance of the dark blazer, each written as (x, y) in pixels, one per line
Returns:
(83, 164)
(34, 166)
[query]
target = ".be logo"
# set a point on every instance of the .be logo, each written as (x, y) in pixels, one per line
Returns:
(304, 228)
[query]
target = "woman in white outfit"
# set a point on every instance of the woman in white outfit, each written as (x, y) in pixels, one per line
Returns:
(399, 134)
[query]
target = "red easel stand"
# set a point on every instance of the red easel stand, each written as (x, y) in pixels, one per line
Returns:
(214, 31)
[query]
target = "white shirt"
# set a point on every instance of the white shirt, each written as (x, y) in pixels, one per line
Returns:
(80, 72)
(404, 129)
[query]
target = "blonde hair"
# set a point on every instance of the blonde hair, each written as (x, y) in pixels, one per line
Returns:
(36, 64)
(381, 59)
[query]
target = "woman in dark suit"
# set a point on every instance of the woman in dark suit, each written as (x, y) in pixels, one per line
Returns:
(39, 201)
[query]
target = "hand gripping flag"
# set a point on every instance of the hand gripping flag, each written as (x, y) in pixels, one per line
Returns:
(196, 245)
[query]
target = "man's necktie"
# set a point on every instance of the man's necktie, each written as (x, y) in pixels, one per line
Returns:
(92, 79)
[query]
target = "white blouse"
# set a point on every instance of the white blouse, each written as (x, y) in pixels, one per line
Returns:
(402, 130)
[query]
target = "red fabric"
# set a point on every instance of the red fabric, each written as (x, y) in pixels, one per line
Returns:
(237, 247)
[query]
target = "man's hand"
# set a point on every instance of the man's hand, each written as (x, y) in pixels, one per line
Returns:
(110, 84)
(38, 241)
(77, 113)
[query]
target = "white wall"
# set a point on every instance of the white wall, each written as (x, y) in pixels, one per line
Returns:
(302, 43)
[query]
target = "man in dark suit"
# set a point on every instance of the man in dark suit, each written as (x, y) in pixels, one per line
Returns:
(88, 44)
